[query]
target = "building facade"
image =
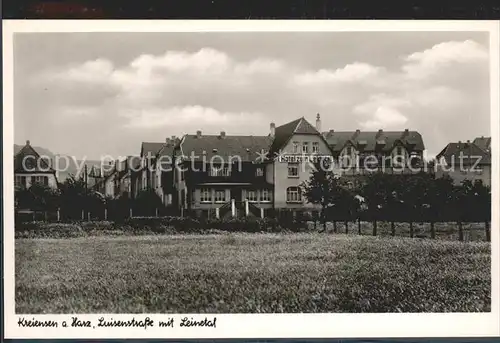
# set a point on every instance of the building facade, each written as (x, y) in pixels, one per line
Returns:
(251, 175)
(466, 161)
(31, 168)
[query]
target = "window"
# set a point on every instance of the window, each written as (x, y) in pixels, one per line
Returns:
(219, 171)
(206, 195)
(295, 147)
(251, 195)
(305, 147)
(259, 172)
(265, 195)
(293, 170)
(349, 150)
(41, 180)
(220, 195)
(293, 194)
(315, 147)
(20, 181)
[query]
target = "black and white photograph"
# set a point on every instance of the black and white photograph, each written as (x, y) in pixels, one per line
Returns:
(250, 172)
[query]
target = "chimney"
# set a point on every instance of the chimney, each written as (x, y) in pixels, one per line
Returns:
(318, 122)
(380, 132)
(198, 134)
(272, 127)
(28, 142)
(172, 139)
(331, 132)
(167, 141)
(222, 134)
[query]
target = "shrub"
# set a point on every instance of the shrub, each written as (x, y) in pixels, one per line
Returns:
(48, 230)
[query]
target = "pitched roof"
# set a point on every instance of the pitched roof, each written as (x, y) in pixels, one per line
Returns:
(469, 152)
(246, 147)
(35, 164)
(483, 143)
(370, 141)
(150, 148)
(283, 133)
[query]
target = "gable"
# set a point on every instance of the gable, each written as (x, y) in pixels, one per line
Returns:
(27, 160)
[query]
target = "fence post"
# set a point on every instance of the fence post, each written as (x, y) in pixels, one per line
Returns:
(156, 211)
(246, 207)
(393, 229)
(88, 216)
(45, 215)
(233, 208)
(335, 226)
(83, 215)
(346, 227)
(262, 213)
(217, 213)
(359, 226)
(487, 230)
(105, 214)
(433, 230)
(374, 233)
(130, 212)
(460, 231)
(411, 229)
(58, 215)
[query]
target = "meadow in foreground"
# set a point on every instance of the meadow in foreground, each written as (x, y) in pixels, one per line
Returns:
(249, 273)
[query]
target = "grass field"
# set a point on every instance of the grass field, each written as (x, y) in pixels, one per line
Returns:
(245, 273)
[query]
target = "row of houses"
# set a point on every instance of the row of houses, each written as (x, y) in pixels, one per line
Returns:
(203, 173)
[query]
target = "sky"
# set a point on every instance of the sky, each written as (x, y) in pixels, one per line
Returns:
(93, 94)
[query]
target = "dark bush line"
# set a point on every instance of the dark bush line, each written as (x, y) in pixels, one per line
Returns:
(154, 225)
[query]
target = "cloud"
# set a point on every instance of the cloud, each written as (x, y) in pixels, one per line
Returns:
(385, 118)
(354, 72)
(428, 62)
(182, 116)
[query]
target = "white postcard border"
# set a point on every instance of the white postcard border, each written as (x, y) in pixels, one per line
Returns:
(254, 325)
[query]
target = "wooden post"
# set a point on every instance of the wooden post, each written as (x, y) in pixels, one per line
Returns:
(130, 212)
(346, 227)
(34, 216)
(262, 213)
(433, 230)
(88, 216)
(487, 230)
(46, 217)
(246, 208)
(335, 226)
(359, 226)
(411, 229)
(105, 214)
(393, 229)
(217, 215)
(83, 215)
(374, 228)
(156, 212)
(460, 231)
(233, 208)
(58, 215)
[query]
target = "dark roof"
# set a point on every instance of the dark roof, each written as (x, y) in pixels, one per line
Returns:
(150, 148)
(283, 133)
(36, 164)
(470, 153)
(166, 150)
(483, 143)
(373, 140)
(246, 147)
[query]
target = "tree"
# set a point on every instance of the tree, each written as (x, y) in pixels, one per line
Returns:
(76, 197)
(147, 202)
(321, 188)
(37, 197)
(376, 192)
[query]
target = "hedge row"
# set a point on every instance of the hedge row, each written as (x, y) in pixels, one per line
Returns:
(154, 225)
